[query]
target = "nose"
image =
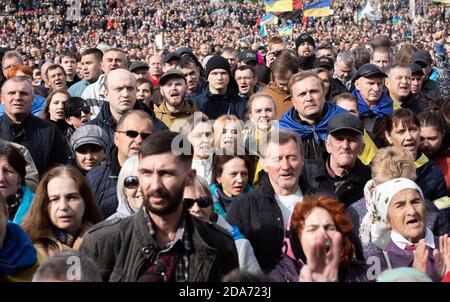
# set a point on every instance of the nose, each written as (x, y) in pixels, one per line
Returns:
(62, 204)
(239, 178)
(410, 209)
(284, 164)
(155, 183)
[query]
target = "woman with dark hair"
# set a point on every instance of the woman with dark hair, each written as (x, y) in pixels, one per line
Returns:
(403, 130)
(54, 109)
(232, 175)
(64, 208)
(321, 242)
(13, 189)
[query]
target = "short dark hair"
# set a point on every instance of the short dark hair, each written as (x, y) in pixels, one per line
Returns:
(93, 51)
(72, 105)
(245, 67)
(161, 142)
(70, 54)
(53, 67)
(225, 156)
(141, 113)
(15, 159)
(141, 81)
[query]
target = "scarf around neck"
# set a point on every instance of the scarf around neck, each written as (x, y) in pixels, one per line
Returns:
(383, 107)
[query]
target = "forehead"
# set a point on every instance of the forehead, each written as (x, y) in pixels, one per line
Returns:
(137, 123)
(342, 65)
(56, 70)
(400, 71)
(218, 70)
(144, 86)
(67, 58)
(202, 127)
(405, 195)
(12, 60)
(14, 86)
(161, 161)
(288, 148)
(114, 55)
(59, 96)
(318, 215)
(381, 55)
(262, 102)
(371, 80)
(89, 57)
(229, 54)
(118, 79)
(187, 70)
(308, 84)
(246, 72)
(155, 59)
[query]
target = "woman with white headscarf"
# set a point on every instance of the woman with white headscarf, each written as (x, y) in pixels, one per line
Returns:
(399, 229)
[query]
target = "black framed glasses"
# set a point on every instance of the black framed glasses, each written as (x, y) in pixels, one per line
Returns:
(84, 109)
(131, 182)
(203, 202)
(134, 134)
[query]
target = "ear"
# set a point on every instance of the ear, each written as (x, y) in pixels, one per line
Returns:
(387, 82)
(357, 84)
(191, 175)
(388, 137)
(328, 144)
(219, 180)
(116, 138)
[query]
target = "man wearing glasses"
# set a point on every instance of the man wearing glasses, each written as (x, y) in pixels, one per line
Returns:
(133, 127)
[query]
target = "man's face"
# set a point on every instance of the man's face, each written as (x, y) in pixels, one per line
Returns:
(344, 147)
(218, 79)
(204, 49)
(144, 93)
(399, 83)
(17, 98)
(283, 164)
(232, 58)
(305, 50)
(343, 71)
(155, 65)
(406, 215)
(90, 68)
(325, 76)
(172, 64)
(416, 84)
(246, 81)
(370, 88)
(173, 91)
(381, 59)
(308, 98)
(121, 92)
(162, 178)
(325, 53)
(56, 79)
(10, 62)
(114, 60)
(192, 78)
(69, 64)
(127, 145)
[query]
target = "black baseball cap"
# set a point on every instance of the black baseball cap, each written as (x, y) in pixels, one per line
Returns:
(171, 56)
(416, 69)
(422, 57)
(170, 74)
(369, 70)
(323, 62)
(248, 55)
(138, 65)
(345, 121)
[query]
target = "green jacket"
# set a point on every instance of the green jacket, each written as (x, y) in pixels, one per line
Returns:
(122, 249)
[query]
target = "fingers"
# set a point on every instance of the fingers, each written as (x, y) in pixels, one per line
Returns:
(336, 248)
(305, 274)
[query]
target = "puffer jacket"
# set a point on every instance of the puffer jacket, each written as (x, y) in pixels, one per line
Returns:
(174, 121)
(123, 249)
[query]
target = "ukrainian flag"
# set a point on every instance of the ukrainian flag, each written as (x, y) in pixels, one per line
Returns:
(286, 30)
(279, 5)
(316, 8)
(269, 19)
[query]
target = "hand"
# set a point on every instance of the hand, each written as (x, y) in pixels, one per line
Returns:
(442, 256)
(321, 267)
(439, 37)
(270, 57)
(421, 256)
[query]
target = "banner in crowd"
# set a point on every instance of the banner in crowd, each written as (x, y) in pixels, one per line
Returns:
(367, 11)
(316, 8)
(286, 30)
(278, 5)
(269, 19)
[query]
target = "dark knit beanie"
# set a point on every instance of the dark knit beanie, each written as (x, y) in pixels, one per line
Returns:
(304, 37)
(217, 62)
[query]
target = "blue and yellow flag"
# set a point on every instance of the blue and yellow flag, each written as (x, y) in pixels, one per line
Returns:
(279, 5)
(286, 30)
(316, 8)
(269, 19)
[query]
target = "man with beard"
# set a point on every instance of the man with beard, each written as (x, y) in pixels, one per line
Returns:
(162, 242)
(175, 109)
(305, 45)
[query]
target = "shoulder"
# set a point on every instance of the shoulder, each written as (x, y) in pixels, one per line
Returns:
(212, 233)
(108, 230)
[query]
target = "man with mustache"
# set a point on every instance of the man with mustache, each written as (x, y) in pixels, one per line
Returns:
(162, 242)
(175, 108)
(340, 173)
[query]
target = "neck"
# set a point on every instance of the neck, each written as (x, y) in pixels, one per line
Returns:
(338, 170)
(309, 120)
(18, 118)
(70, 78)
(116, 116)
(174, 109)
(166, 225)
(285, 191)
(197, 157)
(217, 91)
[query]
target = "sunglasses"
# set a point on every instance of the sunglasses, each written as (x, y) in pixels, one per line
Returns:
(84, 109)
(134, 134)
(131, 182)
(203, 202)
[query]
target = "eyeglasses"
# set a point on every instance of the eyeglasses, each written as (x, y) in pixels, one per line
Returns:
(203, 202)
(77, 112)
(131, 182)
(134, 134)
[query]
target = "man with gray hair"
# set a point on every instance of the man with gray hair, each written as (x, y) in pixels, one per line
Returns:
(344, 68)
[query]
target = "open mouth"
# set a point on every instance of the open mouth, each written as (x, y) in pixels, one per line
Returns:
(413, 223)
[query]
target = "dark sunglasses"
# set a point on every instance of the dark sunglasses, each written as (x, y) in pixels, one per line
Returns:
(131, 182)
(134, 134)
(85, 110)
(203, 202)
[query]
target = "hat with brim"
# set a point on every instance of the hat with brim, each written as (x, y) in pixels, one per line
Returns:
(89, 134)
(416, 69)
(138, 65)
(369, 71)
(345, 121)
(171, 74)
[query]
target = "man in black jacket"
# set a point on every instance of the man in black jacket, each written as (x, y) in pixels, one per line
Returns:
(263, 215)
(18, 125)
(341, 174)
(162, 242)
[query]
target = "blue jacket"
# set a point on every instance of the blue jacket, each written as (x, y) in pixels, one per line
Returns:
(431, 180)
(78, 88)
(25, 205)
(36, 108)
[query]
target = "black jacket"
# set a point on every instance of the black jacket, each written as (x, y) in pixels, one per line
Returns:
(347, 189)
(41, 138)
(259, 218)
(123, 249)
(415, 104)
(431, 91)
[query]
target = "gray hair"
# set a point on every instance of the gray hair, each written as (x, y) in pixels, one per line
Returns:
(10, 54)
(280, 137)
(346, 57)
(129, 168)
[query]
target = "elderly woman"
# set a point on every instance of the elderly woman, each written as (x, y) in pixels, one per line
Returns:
(388, 163)
(321, 239)
(399, 228)
(63, 210)
(198, 199)
(403, 130)
(129, 193)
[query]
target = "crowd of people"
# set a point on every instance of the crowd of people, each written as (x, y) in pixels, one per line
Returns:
(168, 141)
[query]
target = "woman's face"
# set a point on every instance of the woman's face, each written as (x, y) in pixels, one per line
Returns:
(318, 225)
(89, 156)
(133, 193)
(430, 140)
(263, 113)
(66, 206)
(234, 177)
(56, 108)
(194, 192)
(230, 135)
(407, 137)
(9, 178)
(201, 138)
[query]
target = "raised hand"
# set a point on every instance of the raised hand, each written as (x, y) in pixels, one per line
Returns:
(442, 256)
(420, 256)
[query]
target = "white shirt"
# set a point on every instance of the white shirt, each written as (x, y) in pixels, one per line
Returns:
(287, 204)
(203, 168)
(402, 242)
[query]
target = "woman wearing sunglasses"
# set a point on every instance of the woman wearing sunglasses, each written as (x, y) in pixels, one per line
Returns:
(77, 112)
(198, 199)
(129, 193)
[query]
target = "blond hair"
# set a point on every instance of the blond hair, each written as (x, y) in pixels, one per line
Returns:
(393, 162)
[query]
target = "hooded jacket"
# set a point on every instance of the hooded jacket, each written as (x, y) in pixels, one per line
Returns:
(175, 120)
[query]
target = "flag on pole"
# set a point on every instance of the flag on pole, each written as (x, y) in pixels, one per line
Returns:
(269, 19)
(286, 30)
(278, 5)
(262, 31)
(316, 8)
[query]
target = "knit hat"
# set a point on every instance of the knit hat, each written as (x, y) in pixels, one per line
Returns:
(304, 37)
(217, 62)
